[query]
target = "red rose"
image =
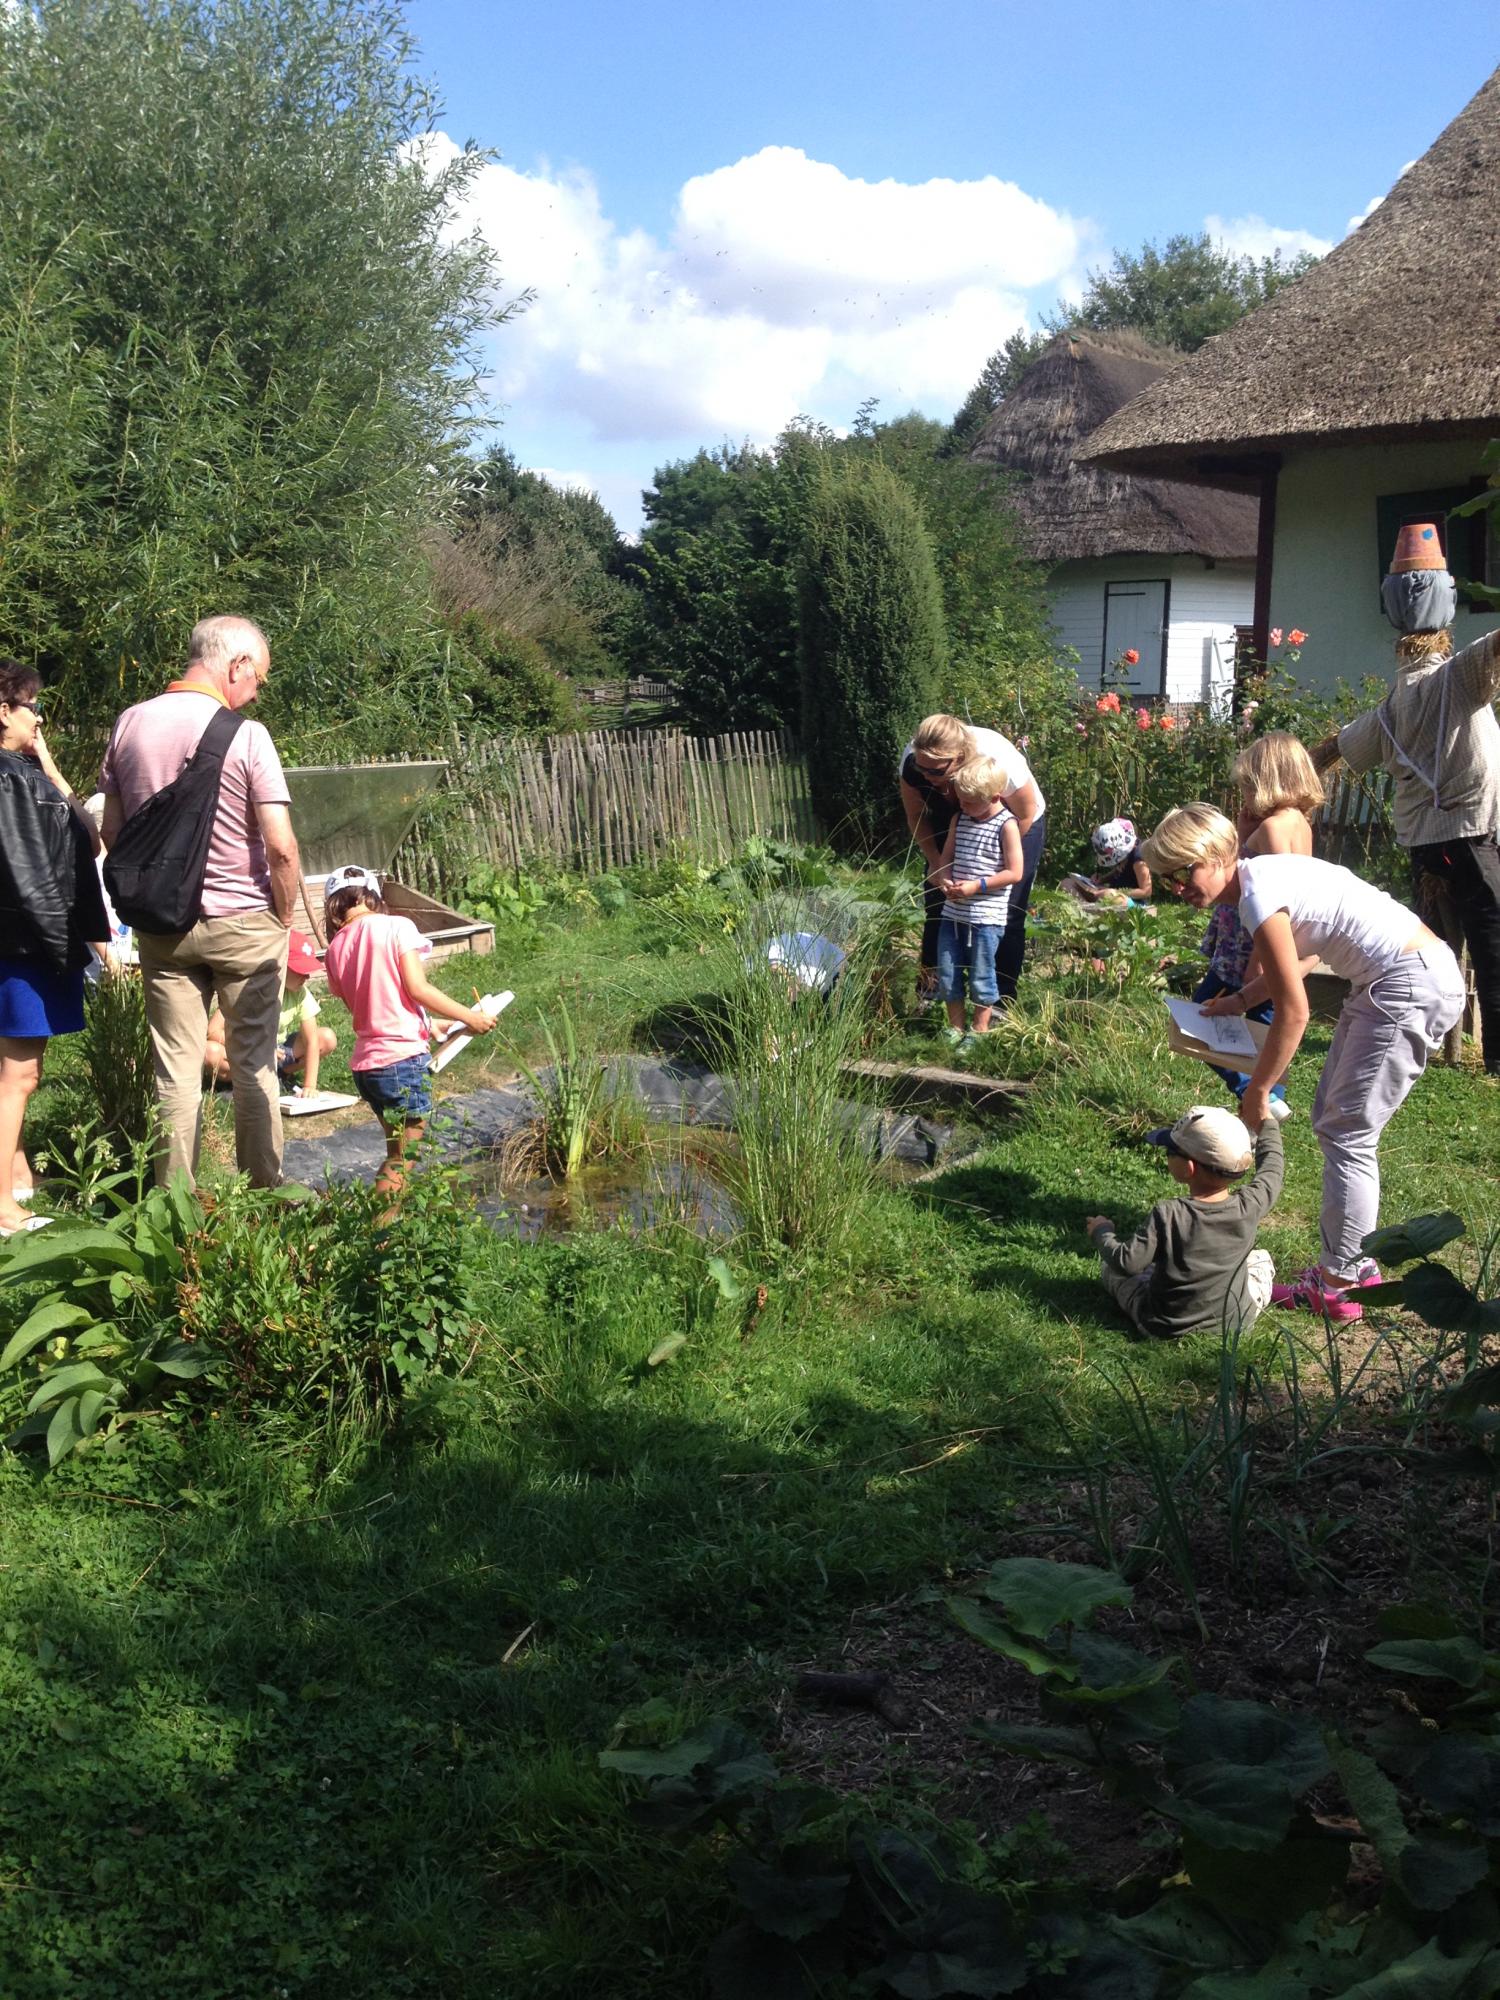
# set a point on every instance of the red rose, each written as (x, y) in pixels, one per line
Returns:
(1169, 722)
(1132, 657)
(1296, 638)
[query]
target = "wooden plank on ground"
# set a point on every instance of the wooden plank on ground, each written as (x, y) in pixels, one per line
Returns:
(929, 1084)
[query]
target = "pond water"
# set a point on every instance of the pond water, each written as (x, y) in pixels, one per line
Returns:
(672, 1181)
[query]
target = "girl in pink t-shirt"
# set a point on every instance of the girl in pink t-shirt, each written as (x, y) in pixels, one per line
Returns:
(374, 966)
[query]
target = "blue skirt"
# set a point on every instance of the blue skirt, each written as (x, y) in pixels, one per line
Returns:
(35, 1001)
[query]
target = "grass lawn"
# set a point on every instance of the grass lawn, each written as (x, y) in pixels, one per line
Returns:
(283, 1712)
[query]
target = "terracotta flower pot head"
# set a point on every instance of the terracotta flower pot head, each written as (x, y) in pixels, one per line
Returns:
(1418, 547)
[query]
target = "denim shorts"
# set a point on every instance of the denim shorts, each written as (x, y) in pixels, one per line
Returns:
(400, 1090)
(968, 949)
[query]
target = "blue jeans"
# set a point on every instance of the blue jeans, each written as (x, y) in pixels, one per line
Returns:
(1012, 953)
(400, 1092)
(967, 952)
(1209, 988)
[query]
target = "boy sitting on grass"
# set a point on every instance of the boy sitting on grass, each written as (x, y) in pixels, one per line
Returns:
(1193, 1263)
(300, 1043)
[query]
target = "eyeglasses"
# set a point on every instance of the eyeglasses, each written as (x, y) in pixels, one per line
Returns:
(1173, 878)
(33, 702)
(940, 769)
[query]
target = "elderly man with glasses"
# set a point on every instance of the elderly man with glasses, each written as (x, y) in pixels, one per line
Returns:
(237, 948)
(928, 764)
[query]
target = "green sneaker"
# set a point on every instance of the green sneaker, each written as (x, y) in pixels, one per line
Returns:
(966, 1044)
(954, 1037)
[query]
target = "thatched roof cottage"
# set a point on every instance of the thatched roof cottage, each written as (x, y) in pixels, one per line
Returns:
(1352, 401)
(1159, 565)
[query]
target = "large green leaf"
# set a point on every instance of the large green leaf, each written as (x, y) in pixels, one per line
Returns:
(1039, 1596)
(67, 1382)
(1479, 1389)
(717, 1743)
(1231, 1806)
(62, 1431)
(1111, 1674)
(1248, 1735)
(182, 1359)
(1421, 1236)
(91, 1405)
(75, 1246)
(1429, 1974)
(801, 1892)
(1303, 1872)
(1376, 1802)
(1460, 1778)
(1050, 1745)
(1458, 1660)
(1438, 1869)
(1437, 1296)
(53, 1317)
(982, 1625)
(1184, 1931)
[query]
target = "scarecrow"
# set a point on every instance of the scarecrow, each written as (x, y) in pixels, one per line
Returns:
(1437, 735)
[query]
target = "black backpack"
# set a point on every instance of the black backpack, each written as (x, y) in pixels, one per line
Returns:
(154, 871)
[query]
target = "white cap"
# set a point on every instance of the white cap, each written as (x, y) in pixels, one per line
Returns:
(351, 876)
(1212, 1136)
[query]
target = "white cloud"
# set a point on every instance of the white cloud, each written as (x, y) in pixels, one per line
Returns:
(783, 283)
(1373, 203)
(1253, 236)
(566, 482)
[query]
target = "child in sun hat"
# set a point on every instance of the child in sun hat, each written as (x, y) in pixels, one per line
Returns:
(375, 967)
(300, 1043)
(1119, 870)
(1193, 1262)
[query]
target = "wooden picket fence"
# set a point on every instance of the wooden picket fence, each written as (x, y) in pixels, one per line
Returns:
(605, 798)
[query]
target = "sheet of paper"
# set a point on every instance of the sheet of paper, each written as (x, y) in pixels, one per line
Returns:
(449, 1047)
(321, 1100)
(1225, 1034)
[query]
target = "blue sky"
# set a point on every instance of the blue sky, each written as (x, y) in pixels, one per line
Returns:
(733, 213)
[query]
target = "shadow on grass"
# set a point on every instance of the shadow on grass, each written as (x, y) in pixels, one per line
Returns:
(266, 1737)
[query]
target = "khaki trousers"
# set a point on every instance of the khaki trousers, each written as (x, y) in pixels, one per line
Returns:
(1129, 1293)
(243, 960)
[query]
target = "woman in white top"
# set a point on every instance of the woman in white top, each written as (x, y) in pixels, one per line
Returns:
(928, 762)
(1406, 993)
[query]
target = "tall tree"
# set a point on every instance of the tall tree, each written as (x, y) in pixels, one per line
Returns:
(242, 346)
(872, 642)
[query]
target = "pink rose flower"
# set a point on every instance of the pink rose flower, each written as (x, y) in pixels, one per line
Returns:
(1143, 718)
(1274, 635)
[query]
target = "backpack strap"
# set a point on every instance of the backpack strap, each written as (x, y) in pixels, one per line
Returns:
(213, 744)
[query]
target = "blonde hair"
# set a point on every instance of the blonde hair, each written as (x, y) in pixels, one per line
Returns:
(1190, 834)
(981, 778)
(1275, 772)
(942, 736)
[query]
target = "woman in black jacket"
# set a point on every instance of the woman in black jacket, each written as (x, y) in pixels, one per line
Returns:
(51, 910)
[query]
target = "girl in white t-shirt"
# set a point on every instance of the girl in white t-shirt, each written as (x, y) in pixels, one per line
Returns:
(1406, 993)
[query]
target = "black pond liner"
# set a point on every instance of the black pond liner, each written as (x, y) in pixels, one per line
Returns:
(473, 1129)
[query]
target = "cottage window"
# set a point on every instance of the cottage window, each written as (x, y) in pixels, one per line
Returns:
(1469, 544)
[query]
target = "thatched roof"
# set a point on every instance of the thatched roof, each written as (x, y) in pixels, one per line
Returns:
(1394, 335)
(1070, 510)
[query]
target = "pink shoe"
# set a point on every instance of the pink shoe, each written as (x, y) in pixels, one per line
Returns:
(1308, 1292)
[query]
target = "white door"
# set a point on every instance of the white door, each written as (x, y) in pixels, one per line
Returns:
(1135, 620)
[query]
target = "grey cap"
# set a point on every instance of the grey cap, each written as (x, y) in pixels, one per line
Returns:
(1212, 1136)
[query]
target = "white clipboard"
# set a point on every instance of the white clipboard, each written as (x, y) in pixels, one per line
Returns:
(452, 1044)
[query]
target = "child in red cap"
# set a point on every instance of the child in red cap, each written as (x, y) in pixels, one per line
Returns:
(300, 1043)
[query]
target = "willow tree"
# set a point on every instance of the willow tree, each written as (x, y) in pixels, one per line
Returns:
(238, 350)
(871, 642)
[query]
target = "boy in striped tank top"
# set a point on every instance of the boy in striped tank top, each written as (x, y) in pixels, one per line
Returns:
(981, 860)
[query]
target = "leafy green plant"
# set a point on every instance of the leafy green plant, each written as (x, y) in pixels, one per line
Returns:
(115, 1088)
(828, 1895)
(1257, 1907)
(99, 1334)
(583, 1114)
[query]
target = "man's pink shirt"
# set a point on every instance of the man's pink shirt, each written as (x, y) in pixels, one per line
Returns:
(150, 745)
(364, 971)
